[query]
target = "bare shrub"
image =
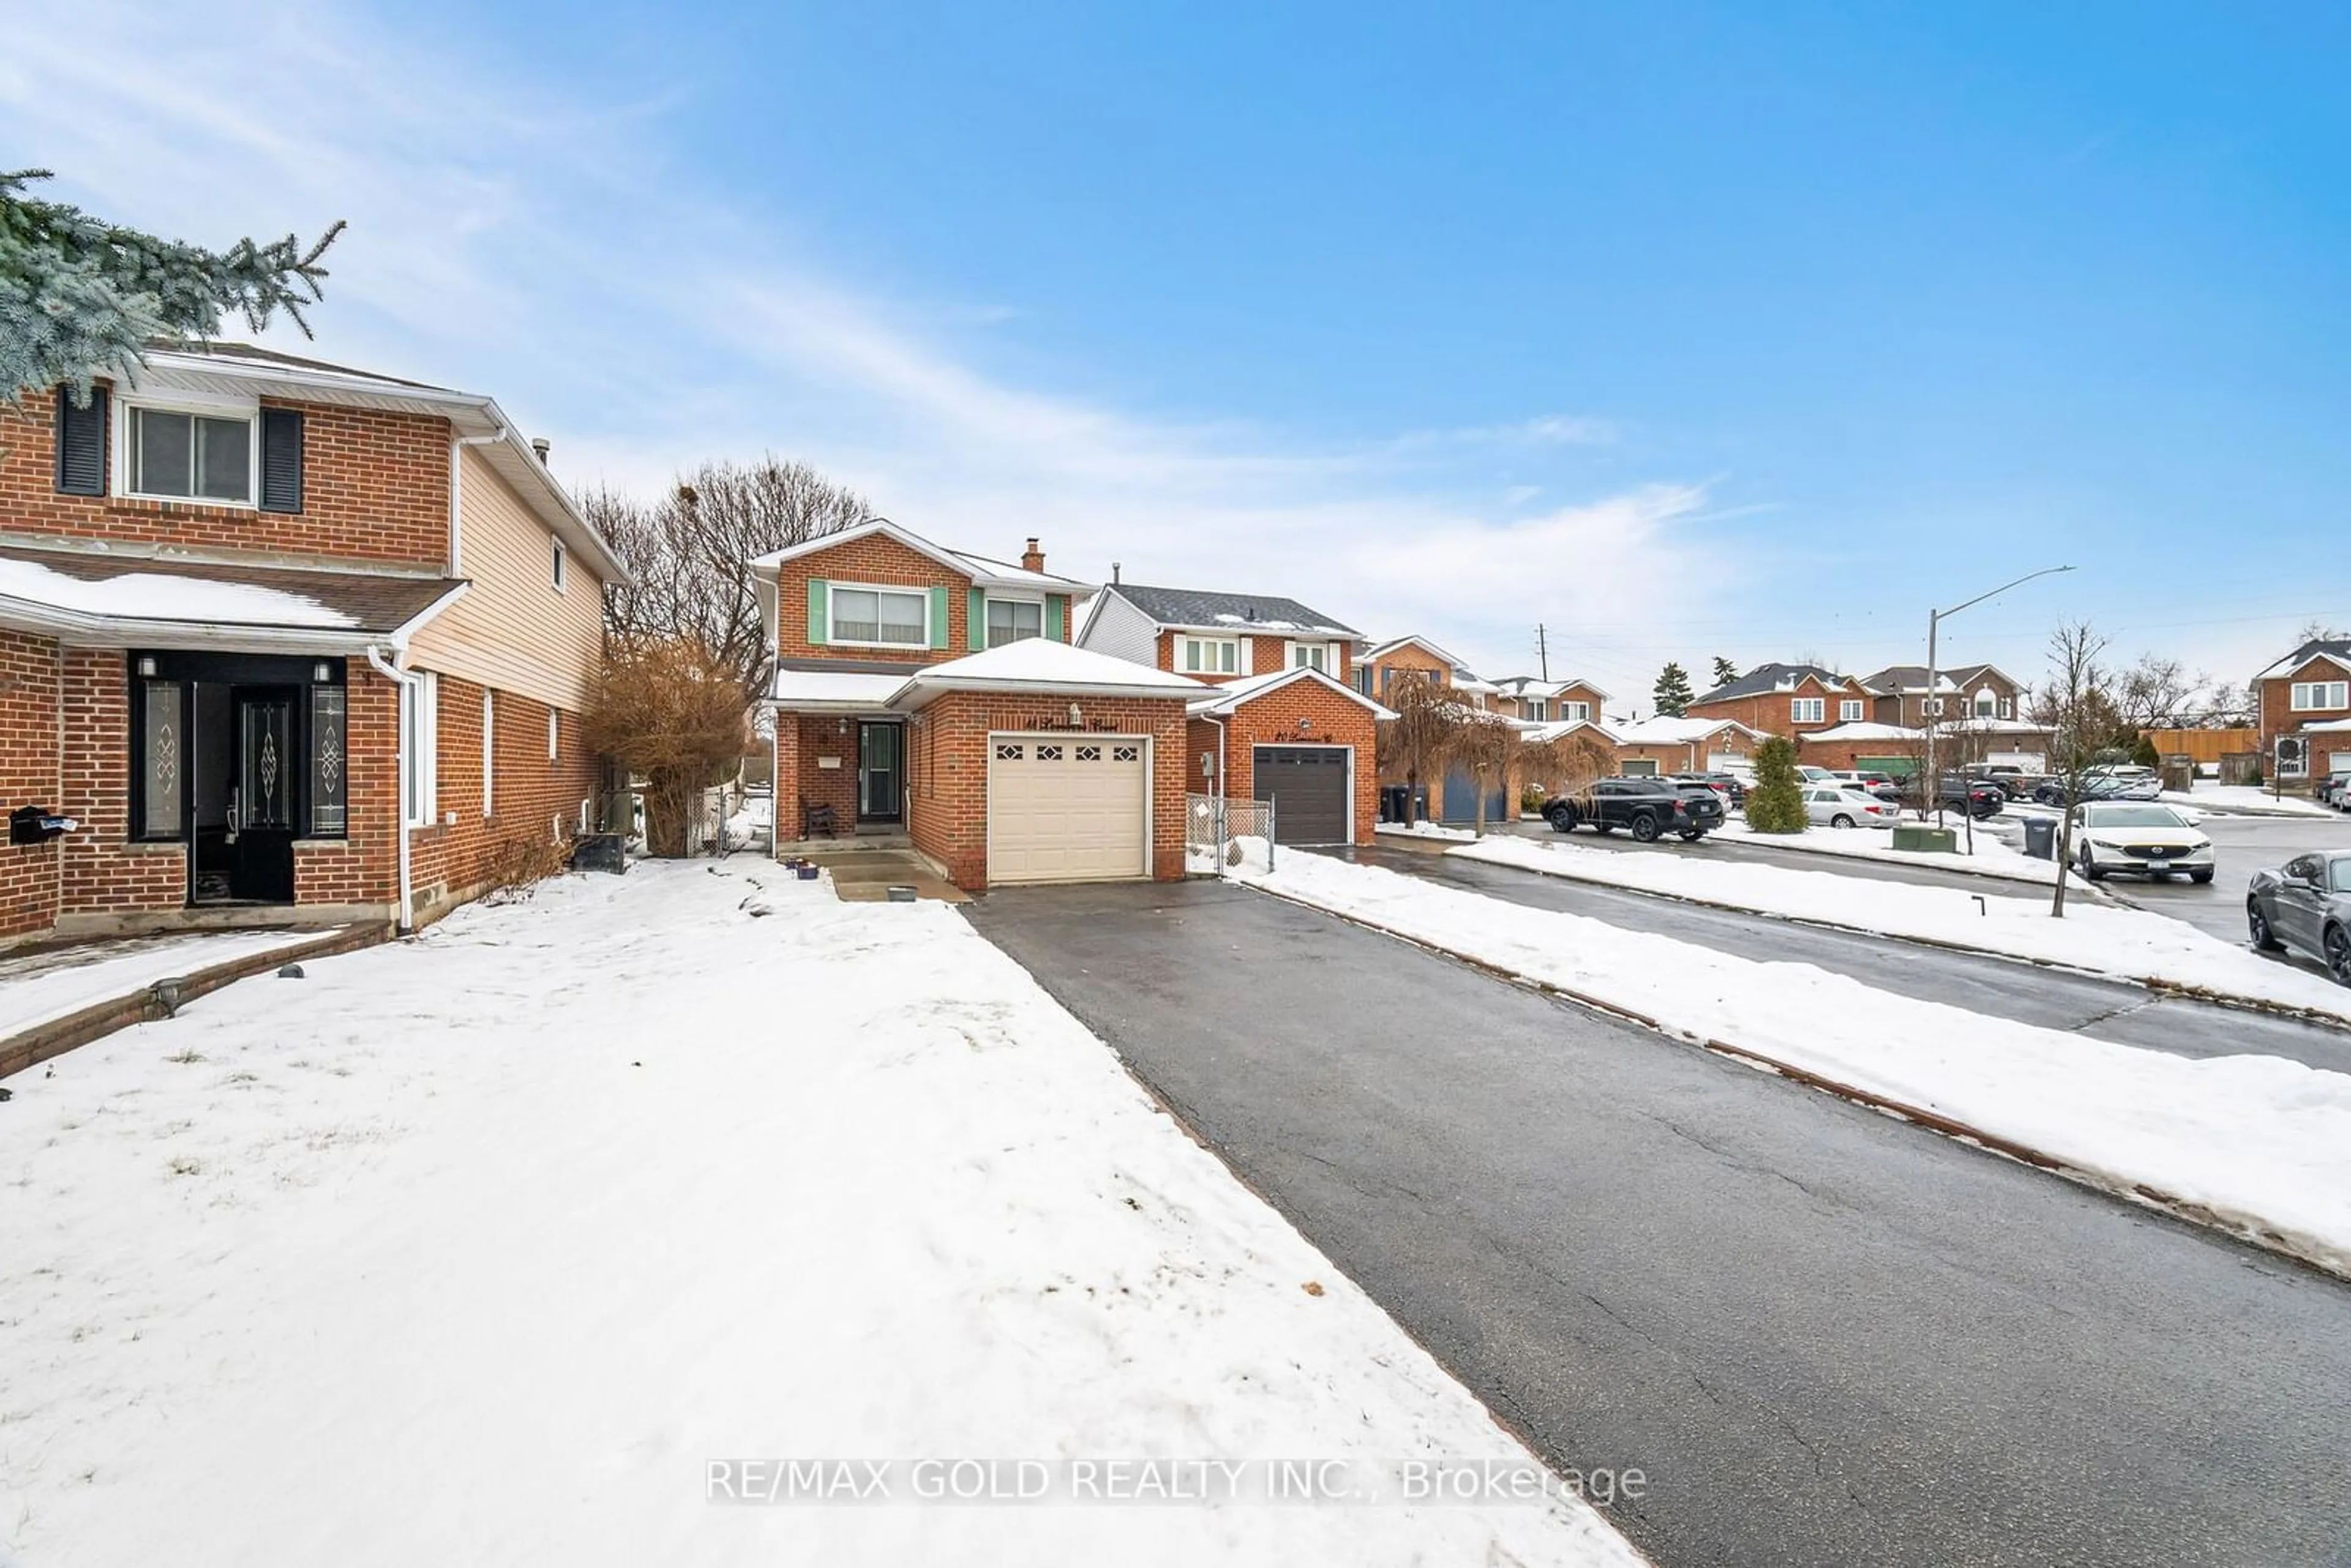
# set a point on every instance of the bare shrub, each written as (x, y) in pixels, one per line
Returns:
(670, 712)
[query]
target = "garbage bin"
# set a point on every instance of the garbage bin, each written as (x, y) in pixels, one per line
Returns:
(2040, 838)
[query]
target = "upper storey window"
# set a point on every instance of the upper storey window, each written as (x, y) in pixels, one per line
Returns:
(192, 457)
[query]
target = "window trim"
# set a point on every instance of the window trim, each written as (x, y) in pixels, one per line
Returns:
(1850, 710)
(989, 598)
(1292, 648)
(558, 565)
(554, 736)
(1798, 707)
(2339, 690)
(1206, 639)
(196, 405)
(420, 725)
(490, 752)
(1575, 712)
(835, 587)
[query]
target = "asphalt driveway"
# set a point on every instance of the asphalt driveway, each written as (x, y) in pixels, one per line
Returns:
(1826, 1337)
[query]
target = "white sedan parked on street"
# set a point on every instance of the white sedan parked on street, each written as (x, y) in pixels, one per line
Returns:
(1837, 807)
(2153, 841)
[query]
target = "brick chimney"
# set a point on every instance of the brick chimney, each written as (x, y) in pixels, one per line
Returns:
(1032, 559)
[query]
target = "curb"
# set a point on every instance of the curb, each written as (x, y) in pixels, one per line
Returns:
(37, 1044)
(2169, 988)
(2311, 1255)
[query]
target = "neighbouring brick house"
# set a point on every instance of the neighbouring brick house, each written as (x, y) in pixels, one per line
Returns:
(1899, 694)
(1787, 699)
(2305, 712)
(1282, 723)
(930, 694)
(283, 639)
(1548, 702)
(1452, 800)
(1692, 744)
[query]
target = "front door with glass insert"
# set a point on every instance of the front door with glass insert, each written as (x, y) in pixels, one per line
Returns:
(261, 805)
(881, 771)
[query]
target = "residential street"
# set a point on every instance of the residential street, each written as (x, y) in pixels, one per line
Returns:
(2053, 998)
(1825, 1335)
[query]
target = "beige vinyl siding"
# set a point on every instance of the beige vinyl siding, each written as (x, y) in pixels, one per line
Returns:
(513, 629)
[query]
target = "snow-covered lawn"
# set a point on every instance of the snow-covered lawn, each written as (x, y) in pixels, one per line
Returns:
(1429, 831)
(485, 1247)
(2129, 944)
(2262, 1143)
(39, 988)
(2245, 798)
(1994, 857)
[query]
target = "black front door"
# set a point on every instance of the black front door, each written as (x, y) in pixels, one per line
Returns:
(881, 769)
(261, 805)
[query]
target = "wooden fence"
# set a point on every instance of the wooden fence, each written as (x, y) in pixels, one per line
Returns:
(2204, 746)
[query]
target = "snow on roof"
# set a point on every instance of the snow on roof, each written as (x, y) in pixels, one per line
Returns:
(1209, 610)
(2328, 727)
(2335, 652)
(1396, 643)
(1668, 731)
(1042, 664)
(1560, 728)
(1231, 695)
(802, 689)
(1864, 731)
(983, 568)
(134, 594)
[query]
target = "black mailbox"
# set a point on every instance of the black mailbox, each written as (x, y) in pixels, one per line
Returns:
(37, 825)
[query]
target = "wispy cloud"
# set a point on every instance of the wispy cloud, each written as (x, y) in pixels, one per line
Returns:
(509, 236)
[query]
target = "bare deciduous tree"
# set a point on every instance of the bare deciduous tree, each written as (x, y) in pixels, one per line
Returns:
(2156, 692)
(2077, 707)
(689, 554)
(670, 712)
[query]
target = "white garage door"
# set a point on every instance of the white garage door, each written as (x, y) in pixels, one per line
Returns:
(1067, 808)
(1726, 762)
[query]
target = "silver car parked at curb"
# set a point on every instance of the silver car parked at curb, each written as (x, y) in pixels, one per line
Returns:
(2305, 905)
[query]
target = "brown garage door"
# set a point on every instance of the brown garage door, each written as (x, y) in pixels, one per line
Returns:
(1309, 787)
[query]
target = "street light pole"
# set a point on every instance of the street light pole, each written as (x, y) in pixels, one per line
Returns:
(1931, 704)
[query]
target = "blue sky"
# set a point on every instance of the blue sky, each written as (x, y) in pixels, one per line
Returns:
(1686, 330)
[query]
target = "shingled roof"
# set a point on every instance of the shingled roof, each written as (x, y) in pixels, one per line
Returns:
(1199, 609)
(1765, 679)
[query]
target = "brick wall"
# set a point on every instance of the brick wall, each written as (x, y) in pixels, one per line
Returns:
(2278, 716)
(364, 868)
(947, 772)
(1273, 720)
(1413, 657)
(375, 487)
(32, 676)
(531, 797)
(1266, 654)
(882, 561)
(102, 873)
(1770, 711)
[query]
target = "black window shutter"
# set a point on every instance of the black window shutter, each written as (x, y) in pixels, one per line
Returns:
(81, 443)
(281, 460)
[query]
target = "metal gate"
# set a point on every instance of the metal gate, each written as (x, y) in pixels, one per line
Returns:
(1218, 832)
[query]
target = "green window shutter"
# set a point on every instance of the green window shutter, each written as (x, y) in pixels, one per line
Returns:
(938, 617)
(1056, 611)
(820, 622)
(975, 621)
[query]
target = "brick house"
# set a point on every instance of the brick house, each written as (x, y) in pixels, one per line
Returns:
(931, 695)
(1692, 744)
(1899, 694)
(1212, 636)
(287, 641)
(1787, 699)
(1300, 739)
(2305, 711)
(1284, 723)
(1548, 702)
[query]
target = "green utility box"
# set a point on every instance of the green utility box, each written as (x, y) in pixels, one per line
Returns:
(1926, 838)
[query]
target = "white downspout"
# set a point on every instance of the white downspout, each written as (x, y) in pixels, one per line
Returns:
(406, 684)
(1221, 849)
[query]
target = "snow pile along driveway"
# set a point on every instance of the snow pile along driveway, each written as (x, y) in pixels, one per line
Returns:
(1994, 857)
(2128, 943)
(485, 1247)
(2257, 1143)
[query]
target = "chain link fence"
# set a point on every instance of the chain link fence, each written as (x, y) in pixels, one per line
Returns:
(1220, 833)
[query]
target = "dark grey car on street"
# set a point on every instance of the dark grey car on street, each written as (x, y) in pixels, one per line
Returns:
(2304, 905)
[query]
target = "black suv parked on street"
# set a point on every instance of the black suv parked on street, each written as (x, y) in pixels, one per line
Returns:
(1646, 808)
